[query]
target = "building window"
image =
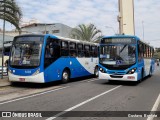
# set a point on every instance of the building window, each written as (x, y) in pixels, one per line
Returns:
(45, 32)
(55, 31)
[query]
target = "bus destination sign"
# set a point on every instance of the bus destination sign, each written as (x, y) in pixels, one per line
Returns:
(118, 41)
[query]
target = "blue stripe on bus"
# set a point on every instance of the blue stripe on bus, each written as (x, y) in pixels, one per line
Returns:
(54, 71)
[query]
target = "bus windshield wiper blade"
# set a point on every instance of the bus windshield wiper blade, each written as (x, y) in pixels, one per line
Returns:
(123, 48)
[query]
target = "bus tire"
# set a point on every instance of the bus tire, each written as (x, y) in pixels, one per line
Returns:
(96, 71)
(142, 76)
(150, 72)
(65, 76)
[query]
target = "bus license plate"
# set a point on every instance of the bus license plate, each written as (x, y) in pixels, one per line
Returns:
(22, 79)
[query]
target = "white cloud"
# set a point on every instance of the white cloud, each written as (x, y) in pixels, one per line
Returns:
(148, 12)
(99, 12)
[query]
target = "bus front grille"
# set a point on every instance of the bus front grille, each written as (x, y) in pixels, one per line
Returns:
(116, 76)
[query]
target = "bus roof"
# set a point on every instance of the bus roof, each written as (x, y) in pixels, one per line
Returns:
(122, 36)
(127, 36)
(58, 37)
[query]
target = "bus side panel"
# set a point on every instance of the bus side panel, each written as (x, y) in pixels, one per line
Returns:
(53, 71)
(140, 67)
(152, 64)
(147, 66)
(78, 68)
(89, 64)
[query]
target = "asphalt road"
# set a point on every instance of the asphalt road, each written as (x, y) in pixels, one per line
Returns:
(86, 97)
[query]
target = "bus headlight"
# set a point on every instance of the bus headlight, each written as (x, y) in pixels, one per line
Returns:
(10, 71)
(102, 70)
(131, 71)
(37, 71)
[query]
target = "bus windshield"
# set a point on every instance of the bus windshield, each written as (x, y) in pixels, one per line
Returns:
(118, 54)
(26, 52)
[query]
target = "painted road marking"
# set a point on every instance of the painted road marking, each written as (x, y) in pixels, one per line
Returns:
(41, 93)
(82, 103)
(155, 106)
(33, 95)
(88, 80)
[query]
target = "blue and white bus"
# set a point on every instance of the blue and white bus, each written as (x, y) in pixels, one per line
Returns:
(45, 58)
(125, 58)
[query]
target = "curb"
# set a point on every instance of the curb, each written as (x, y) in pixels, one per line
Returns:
(4, 82)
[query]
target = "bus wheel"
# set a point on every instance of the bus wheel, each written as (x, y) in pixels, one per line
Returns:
(96, 71)
(150, 72)
(142, 75)
(65, 76)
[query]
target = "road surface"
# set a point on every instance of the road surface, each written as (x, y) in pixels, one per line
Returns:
(91, 98)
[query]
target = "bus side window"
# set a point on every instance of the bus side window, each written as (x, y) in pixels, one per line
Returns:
(94, 51)
(87, 50)
(144, 50)
(140, 50)
(80, 50)
(64, 48)
(73, 50)
(47, 51)
(55, 49)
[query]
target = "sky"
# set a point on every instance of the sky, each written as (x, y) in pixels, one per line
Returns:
(101, 13)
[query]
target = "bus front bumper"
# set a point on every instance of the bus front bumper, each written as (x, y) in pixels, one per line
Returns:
(126, 77)
(38, 78)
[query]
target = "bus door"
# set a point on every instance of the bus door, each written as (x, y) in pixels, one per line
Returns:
(52, 52)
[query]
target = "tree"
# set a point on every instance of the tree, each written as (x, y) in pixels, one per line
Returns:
(11, 12)
(85, 32)
(157, 53)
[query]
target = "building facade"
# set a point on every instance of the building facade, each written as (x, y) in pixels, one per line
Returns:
(42, 28)
(57, 29)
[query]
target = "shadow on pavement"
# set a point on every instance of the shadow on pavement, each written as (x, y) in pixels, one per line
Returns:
(125, 83)
(45, 85)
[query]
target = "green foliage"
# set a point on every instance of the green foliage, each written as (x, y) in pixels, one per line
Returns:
(157, 49)
(157, 53)
(11, 12)
(86, 32)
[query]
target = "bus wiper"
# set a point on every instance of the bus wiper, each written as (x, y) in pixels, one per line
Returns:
(123, 48)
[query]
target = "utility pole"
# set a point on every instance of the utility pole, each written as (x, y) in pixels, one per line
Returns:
(143, 29)
(111, 28)
(4, 10)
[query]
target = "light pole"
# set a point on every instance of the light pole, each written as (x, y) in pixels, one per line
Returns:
(3, 38)
(143, 29)
(111, 28)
